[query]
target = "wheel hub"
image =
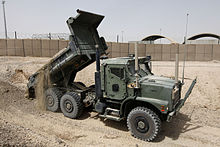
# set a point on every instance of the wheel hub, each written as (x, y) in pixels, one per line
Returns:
(141, 125)
(50, 101)
(68, 106)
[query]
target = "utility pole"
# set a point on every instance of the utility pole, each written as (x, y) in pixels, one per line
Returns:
(122, 32)
(3, 5)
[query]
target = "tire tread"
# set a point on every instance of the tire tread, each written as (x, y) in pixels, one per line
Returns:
(57, 93)
(154, 117)
(79, 104)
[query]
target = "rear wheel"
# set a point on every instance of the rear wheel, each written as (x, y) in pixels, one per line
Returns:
(143, 123)
(71, 105)
(53, 96)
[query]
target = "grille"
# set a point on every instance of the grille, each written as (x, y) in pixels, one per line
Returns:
(175, 96)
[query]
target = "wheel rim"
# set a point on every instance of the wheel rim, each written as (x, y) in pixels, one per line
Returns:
(50, 101)
(141, 124)
(68, 106)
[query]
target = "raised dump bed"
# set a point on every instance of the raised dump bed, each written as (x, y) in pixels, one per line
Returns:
(81, 52)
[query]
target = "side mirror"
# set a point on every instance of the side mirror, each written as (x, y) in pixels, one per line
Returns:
(149, 62)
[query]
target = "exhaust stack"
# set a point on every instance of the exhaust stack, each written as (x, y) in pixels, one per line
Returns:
(98, 90)
(184, 61)
(136, 64)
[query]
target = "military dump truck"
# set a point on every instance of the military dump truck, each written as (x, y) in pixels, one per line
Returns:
(125, 87)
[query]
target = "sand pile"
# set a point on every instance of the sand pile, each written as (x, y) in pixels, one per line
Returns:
(16, 70)
(19, 76)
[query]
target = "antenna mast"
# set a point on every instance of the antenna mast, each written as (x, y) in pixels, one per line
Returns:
(185, 48)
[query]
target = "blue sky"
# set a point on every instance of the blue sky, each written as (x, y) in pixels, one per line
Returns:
(136, 18)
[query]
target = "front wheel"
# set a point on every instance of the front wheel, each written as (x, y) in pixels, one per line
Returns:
(143, 123)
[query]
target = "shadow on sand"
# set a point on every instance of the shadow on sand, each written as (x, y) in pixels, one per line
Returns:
(122, 125)
(109, 123)
(179, 124)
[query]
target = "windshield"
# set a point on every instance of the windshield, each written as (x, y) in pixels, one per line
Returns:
(143, 69)
(131, 68)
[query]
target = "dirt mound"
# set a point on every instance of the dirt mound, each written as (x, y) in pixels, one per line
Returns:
(16, 70)
(17, 135)
(19, 76)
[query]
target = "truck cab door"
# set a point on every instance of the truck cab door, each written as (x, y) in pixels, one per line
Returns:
(115, 82)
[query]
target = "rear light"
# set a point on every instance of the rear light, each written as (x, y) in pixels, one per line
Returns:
(162, 108)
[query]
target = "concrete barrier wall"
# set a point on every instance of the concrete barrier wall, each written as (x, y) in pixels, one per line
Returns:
(11, 47)
(28, 47)
(3, 47)
(63, 44)
(19, 47)
(216, 52)
(45, 48)
(37, 48)
(158, 52)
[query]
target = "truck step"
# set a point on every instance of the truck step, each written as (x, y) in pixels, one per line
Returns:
(112, 111)
(112, 114)
(115, 118)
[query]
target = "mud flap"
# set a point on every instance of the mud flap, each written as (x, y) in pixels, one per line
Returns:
(181, 101)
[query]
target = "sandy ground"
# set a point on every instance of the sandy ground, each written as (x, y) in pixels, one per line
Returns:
(21, 123)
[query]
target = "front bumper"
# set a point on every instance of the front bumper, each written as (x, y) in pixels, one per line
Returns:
(181, 102)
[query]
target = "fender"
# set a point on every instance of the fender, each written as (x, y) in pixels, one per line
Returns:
(161, 105)
(155, 102)
(124, 103)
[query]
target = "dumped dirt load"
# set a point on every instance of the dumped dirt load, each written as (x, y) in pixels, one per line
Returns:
(22, 123)
(40, 90)
(41, 83)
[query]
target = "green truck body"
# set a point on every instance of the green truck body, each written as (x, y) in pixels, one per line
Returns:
(115, 94)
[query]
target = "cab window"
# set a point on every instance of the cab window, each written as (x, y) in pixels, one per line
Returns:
(119, 72)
